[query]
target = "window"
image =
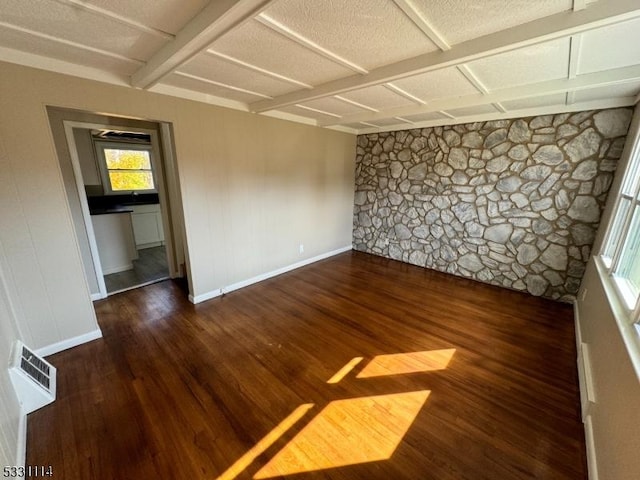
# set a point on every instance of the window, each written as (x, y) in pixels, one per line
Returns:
(126, 168)
(621, 252)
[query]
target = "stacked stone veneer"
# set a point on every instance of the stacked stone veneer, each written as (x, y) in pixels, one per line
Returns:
(514, 203)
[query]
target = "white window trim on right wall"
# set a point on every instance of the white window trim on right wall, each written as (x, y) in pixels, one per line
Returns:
(627, 316)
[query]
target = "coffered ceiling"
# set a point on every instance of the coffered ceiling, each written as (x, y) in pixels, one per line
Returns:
(356, 65)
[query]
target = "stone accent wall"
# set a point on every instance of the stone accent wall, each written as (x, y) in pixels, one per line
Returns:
(514, 203)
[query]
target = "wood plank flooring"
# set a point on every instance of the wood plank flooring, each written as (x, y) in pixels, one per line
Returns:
(236, 387)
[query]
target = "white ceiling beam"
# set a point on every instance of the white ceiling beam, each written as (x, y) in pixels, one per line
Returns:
(216, 19)
(472, 79)
(579, 5)
(549, 87)
(574, 57)
(357, 104)
(404, 93)
(317, 110)
(498, 106)
(422, 23)
(556, 26)
(88, 7)
(526, 112)
(404, 120)
(300, 39)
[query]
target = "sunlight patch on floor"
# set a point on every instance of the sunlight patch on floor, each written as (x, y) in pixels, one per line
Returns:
(403, 363)
(348, 432)
(344, 371)
(259, 448)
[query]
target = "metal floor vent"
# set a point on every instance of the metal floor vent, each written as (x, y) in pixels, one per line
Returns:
(33, 378)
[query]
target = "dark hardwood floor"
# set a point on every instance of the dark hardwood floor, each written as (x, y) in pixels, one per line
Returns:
(237, 387)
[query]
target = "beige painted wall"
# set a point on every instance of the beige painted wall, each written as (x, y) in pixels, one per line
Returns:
(253, 189)
(87, 156)
(615, 417)
(9, 407)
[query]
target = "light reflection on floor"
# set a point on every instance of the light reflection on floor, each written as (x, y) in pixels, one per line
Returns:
(348, 432)
(403, 363)
(344, 371)
(259, 448)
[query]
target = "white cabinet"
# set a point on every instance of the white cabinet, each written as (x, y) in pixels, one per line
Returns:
(114, 238)
(147, 226)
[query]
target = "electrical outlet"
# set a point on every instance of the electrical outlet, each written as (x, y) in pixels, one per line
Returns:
(301, 248)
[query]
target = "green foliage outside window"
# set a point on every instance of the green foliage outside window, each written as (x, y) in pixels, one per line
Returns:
(129, 170)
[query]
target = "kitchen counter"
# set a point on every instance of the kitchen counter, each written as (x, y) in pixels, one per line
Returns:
(105, 211)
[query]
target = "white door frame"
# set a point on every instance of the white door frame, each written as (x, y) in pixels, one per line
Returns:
(158, 165)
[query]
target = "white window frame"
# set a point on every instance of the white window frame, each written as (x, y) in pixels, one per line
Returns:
(627, 316)
(621, 296)
(101, 145)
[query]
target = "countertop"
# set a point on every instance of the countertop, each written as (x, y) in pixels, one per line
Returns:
(106, 211)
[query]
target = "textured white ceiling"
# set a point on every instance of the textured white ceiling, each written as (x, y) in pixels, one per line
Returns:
(69, 53)
(81, 26)
(219, 70)
(461, 20)
(369, 33)
(305, 112)
(258, 45)
(335, 106)
(159, 14)
(606, 48)
(363, 65)
(448, 82)
(188, 83)
(378, 97)
(537, 63)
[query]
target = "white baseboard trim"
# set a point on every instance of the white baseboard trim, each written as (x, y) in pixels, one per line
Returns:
(21, 450)
(96, 296)
(142, 246)
(587, 395)
(592, 464)
(69, 343)
(118, 269)
(205, 296)
(259, 278)
(576, 322)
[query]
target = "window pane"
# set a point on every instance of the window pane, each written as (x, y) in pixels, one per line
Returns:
(131, 180)
(629, 265)
(632, 177)
(127, 159)
(615, 237)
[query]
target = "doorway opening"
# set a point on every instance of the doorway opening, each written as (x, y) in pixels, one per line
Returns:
(121, 182)
(125, 208)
